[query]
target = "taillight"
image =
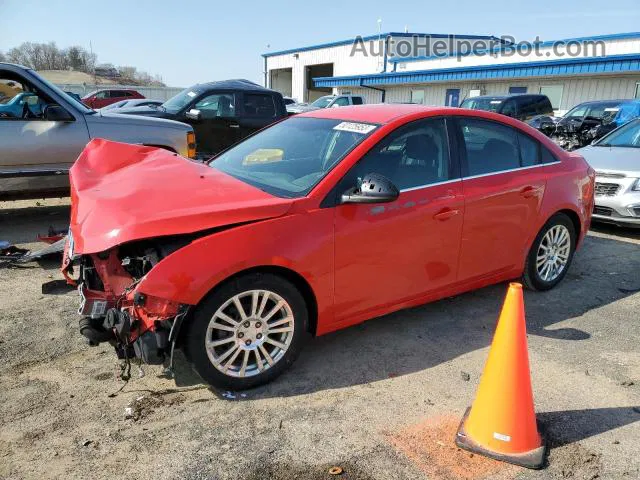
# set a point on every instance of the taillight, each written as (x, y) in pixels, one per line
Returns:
(191, 145)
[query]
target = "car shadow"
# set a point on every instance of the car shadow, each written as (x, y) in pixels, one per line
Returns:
(423, 337)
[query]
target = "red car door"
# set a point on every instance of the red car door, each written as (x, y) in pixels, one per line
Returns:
(503, 188)
(388, 253)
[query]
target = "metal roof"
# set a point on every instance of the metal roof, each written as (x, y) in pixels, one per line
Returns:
(375, 37)
(549, 68)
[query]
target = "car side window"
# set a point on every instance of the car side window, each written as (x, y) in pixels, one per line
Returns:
(102, 95)
(509, 108)
(546, 156)
(341, 102)
(259, 105)
(413, 156)
(357, 100)
(529, 150)
(217, 105)
(19, 100)
(489, 146)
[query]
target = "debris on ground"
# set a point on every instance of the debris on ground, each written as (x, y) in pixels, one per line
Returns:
(144, 405)
(335, 471)
(465, 376)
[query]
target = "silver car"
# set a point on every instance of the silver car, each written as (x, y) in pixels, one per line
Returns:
(43, 130)
(616, 160)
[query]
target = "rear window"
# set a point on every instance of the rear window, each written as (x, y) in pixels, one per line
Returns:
(357, 100)
(259, 105)
(487, 104)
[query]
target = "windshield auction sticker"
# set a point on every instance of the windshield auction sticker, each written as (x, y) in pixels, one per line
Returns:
(352, 127)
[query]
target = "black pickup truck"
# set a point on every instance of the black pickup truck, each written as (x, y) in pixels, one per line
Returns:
(221, 113)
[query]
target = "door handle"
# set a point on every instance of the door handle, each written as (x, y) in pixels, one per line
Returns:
(446, 214)
(529, 192)
(234, 125)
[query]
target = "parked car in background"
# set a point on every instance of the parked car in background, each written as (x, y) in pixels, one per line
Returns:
(616, 160)
(328, 101)
(588, 122)
(521, 106)
(136, 102)
(39, 145)
(221, 113)
(102, 98)
(289, 100)
(319, 222)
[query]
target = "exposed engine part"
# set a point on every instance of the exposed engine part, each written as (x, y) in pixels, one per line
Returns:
(147, 348)
(119, 322)
(94, 331)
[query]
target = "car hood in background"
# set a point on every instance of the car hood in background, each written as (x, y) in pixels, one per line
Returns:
(122, 192)
(612, 159)
(115, 117)
(300, 108)
(144, 110)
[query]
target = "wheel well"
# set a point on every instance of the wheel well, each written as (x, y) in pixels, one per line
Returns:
(164, 147)
(294, 277)
(575, 219)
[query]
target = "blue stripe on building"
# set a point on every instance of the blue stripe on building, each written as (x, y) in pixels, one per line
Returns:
(550, 68)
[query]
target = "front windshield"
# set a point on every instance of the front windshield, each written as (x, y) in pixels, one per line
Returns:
(322, 102)
(626, 136)
(488, 104)
(181, 100)
(602, 111)
(77, 104)
(291, 157)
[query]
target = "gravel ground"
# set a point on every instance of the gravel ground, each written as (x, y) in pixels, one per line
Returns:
(380, 400)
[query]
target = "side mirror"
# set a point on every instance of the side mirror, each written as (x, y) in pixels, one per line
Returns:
(375, 188)
(193, 114)
(55, 113)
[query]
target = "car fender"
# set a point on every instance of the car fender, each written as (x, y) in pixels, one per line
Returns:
(302, 243)
(565, 192)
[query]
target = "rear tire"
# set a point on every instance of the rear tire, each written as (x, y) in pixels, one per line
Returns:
(551, 254)
(247, 332)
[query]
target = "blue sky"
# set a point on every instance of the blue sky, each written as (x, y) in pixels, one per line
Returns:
(192, 41)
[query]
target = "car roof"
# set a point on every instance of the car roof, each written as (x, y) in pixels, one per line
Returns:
(235, 84)
(598, 102)
(487, 97)
(376, 113)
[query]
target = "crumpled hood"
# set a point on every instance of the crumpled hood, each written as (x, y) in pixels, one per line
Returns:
(122, 192)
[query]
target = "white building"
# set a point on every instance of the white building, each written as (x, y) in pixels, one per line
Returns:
(382, 68)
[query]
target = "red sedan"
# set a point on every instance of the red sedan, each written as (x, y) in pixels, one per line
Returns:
(319, 222)
(102, 98)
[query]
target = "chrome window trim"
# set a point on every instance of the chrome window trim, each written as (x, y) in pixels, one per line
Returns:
(510, 170)
(427, 185)
(471, 177)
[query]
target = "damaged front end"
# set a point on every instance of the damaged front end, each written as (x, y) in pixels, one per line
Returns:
(135, 324)
(573, 135)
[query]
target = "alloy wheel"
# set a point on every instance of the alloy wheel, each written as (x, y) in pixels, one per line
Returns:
(553, 253)
(249, 333)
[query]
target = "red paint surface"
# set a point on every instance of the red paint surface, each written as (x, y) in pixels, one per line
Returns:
(93, 101)
(359, 262)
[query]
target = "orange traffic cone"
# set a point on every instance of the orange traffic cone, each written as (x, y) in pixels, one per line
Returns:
(501, 423)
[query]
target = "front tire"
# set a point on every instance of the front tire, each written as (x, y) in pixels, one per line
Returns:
(551, 254)
(247, 332)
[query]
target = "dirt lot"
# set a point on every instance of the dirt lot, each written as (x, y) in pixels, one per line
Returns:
(380, 400)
